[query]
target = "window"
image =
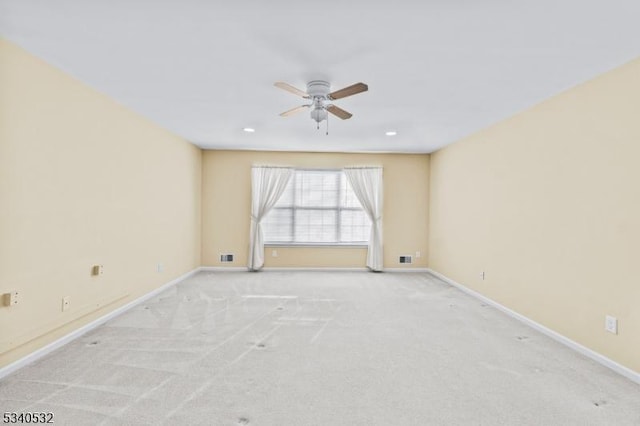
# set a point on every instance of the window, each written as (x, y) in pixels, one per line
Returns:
(317, 207)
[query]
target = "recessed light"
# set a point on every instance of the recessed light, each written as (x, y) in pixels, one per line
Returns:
(249, 129)
(391, 133)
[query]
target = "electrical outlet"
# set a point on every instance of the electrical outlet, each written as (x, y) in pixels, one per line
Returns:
(10, 299)
(97, 270)
(482, 275)
(611, 324)
(274, 253)
(65, 303)
(160, 268)
(418, 254)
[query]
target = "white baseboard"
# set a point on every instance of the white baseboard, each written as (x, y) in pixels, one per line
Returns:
(223, 269)
(278, 269)
(406, 269)
(310, 269)
(39, 353)
(607, 362)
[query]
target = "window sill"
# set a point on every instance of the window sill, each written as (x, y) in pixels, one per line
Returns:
(326, 245)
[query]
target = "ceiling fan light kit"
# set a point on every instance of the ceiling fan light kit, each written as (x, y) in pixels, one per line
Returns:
(318, 93)
(319, 114)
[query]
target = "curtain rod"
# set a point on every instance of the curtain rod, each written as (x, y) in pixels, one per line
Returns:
(318, 169)
(270, 166)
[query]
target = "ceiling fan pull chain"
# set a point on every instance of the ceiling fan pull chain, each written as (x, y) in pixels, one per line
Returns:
(327, 124)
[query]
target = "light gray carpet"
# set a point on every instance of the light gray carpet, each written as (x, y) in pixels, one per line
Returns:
(319, 348)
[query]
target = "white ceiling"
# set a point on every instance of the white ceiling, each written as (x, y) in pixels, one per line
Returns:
(437, 70)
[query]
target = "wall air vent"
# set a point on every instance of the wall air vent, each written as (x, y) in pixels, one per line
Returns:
(226, 258)
(404, 259)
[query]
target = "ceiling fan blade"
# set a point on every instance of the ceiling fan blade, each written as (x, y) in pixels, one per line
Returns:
(293, 110)
(354, 89)
(339, 112)
(291, 89)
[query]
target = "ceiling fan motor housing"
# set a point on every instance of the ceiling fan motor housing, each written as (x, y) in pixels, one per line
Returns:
(318, 88)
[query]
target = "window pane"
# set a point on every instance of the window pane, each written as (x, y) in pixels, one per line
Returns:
(277, 226)
(317, 188)
(355, 226)
(308, 211)
(317, 226)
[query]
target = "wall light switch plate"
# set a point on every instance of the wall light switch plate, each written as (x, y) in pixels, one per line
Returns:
(65, 303)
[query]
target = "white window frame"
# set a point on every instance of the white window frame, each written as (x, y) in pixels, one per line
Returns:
(337, 209)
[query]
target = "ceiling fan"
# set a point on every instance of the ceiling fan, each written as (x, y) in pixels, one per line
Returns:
(320, 99)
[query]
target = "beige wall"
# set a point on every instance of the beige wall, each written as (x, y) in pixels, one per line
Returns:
(548, 205)
(226, 203)
(84, 181)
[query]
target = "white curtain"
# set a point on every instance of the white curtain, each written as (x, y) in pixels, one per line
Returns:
(367, 185)
(267, 185)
